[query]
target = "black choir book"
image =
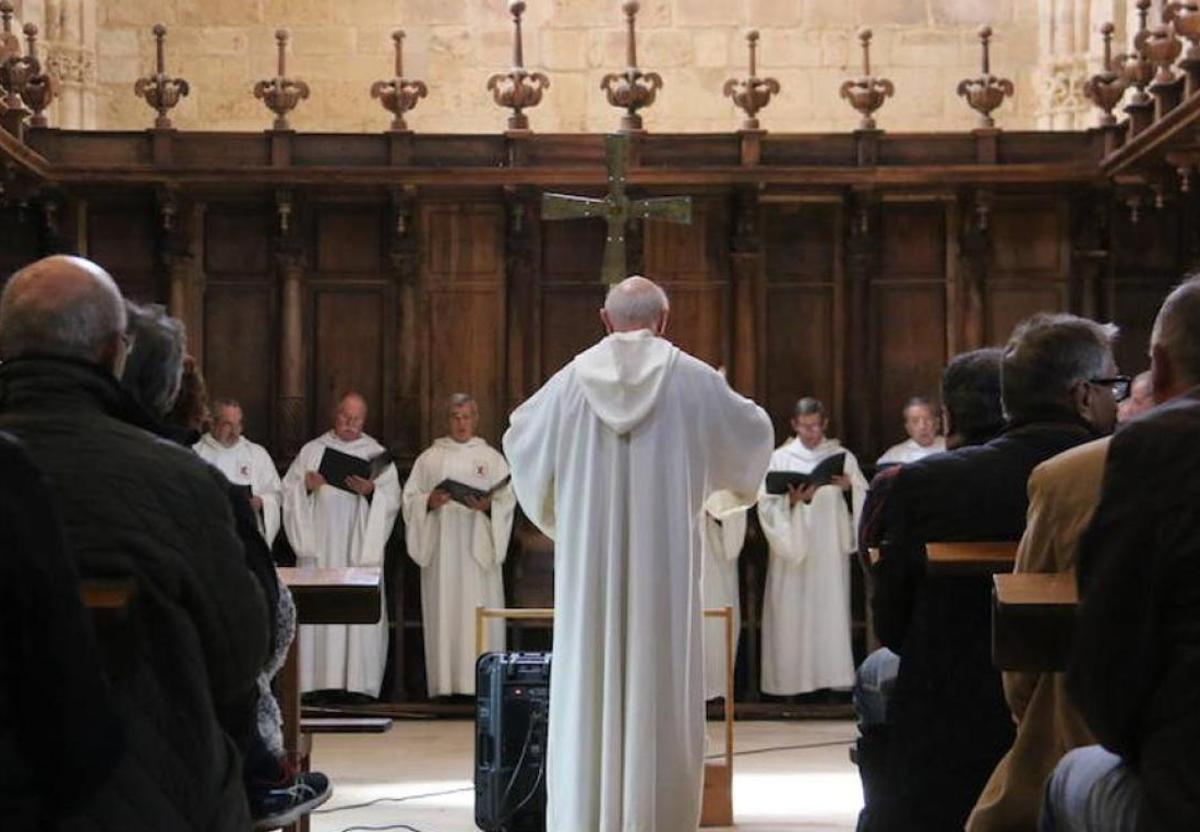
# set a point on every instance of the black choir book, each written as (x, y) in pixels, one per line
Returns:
(460, 492)
(336, 467)
(823, 474)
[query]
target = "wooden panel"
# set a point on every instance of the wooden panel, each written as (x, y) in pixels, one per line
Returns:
(464, 333)
(18, 240)
(800, 344)
(1006, 305)
(1029, 264)
(349, 328)
(464, 243)
(914, 242)
(572, 250)
(912, 351)
(799, 243)
(348, 240)
(239, 354)
(570, 324)
(1135, 306)
(122, 239)
(237, 241)
(698, 322)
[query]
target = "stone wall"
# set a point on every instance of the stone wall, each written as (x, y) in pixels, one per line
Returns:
(340, 46)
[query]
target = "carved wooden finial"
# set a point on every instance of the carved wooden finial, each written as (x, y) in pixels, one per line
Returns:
(1105, 88)
(518, 89)
(40, 87)
(987, 92)
(631, 90)
(399, 95)
(160, 91)
(867, 93)
(752, 93)
(1161, 48)
(281, 94)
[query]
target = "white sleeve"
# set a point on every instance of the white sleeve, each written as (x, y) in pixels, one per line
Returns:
(381, 512)
(268, 487)
(421, 526)
(531, 447)
(298, 507)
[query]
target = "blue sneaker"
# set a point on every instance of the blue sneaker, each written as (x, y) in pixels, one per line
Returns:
(286, 804)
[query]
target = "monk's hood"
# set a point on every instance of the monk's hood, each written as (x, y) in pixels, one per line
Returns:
(622, 376)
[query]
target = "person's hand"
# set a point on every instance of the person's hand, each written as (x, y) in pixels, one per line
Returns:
(256, 502)
(437, 499)
(361, 486)
(841, 481)
(479, 503)
(801, 494)
(313, 481)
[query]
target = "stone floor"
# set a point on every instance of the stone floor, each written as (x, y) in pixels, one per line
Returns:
(788, 776)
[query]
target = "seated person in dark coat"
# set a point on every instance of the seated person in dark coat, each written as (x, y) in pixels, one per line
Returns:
(972, 415)
(1136, 669)
(947, 717)
(60, 735)
(138, 507)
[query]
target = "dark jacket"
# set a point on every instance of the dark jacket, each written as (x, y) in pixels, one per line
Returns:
(948, 719)
(1136, 669)
(58, 724)
(184, 671)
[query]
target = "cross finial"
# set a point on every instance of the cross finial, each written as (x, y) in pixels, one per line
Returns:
(281, 94)
(752, 93)
(867, 94)
(632, 89)
(518, 89)
(987, 92)
(159, 91)
(399, 95)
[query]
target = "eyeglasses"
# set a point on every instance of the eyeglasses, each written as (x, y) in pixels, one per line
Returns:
(1118, 384)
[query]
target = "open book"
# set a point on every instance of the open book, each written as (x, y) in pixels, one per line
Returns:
(823, 474)
(336, 467)
(460, 492)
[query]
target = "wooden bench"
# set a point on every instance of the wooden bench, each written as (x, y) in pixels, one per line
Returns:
(971, 558)
(1033, 620)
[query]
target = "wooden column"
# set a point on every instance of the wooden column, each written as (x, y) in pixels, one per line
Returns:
(404, 260)
(183, 255)
(745, 261)
(290, 264)
(862, 261)
(974, 245)
(523, 267)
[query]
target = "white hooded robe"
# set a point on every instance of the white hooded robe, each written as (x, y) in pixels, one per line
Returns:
(722, 541)
(334, 529)
(806, 606)
(248, 464)
(613, 458)
(460, 553)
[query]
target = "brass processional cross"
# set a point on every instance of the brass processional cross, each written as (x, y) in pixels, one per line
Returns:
(616, 208)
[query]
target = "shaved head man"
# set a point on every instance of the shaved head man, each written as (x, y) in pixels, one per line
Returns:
(636, 303)
(65, 307)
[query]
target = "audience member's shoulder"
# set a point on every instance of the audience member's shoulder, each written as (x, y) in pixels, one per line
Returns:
(1073, 462)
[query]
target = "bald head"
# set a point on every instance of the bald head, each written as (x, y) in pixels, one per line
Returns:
(350, 416)
(636, 303)
(1175, 342)
(66, 307)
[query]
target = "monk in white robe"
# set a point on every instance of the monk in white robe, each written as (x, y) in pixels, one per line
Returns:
(460, 546)
(922, 429)
(811, 533)
(243, 463)
(722, 541)
(613, 458)
(333, 528)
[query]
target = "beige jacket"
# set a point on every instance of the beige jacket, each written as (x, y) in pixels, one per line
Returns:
(1063, 494)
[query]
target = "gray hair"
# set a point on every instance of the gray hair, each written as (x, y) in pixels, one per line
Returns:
(808, 406)
(1046, 357)
(635, 302)
(1177, 328)
(154, 369)
(458, 400)
(222, 403)
(74, 324)
(917, 401)
(971, 395)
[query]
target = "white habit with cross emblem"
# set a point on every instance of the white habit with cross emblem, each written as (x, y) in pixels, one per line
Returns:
(248, 464)
(614, 458)
(460, 552)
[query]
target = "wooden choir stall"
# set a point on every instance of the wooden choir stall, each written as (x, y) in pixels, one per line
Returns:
(408, 265)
